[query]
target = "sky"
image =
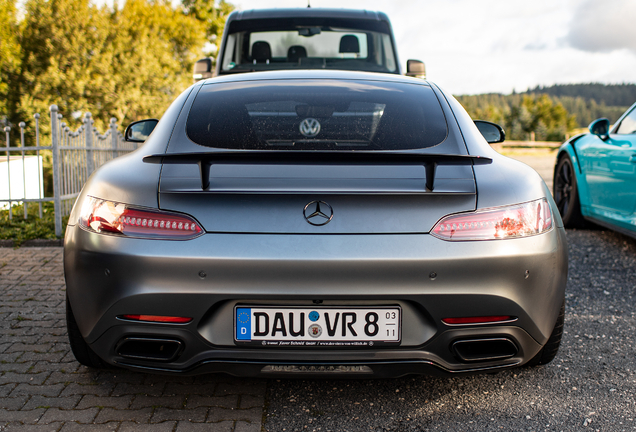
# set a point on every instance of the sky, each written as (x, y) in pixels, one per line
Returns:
(497, 46)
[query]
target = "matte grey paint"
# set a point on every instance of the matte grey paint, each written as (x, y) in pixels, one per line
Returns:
(274, 268)
(313, 266)
(390, 263)
(353, 213)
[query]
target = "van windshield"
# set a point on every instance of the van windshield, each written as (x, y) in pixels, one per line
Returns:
(257, 47)
(316, 115)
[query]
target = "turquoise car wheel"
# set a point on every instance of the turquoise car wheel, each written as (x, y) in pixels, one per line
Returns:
(566, 194)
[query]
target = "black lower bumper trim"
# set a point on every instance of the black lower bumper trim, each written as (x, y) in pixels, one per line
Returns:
(302, 370)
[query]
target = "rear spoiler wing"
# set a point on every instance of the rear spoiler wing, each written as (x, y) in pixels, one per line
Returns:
(281, 157)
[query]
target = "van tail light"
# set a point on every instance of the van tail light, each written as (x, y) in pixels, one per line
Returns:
(109, 217)
(520, 220)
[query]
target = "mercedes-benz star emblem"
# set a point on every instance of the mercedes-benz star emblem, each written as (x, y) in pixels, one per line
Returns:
(310, 127)
(318, 213)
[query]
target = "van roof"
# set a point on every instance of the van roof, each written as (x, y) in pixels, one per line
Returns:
(307, 13)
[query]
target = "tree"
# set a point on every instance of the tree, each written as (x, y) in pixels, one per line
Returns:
(522, 114)
(154, 47)
(213, 14)
(547, 118)
(9, 52)
(127, 63)
(61, 46)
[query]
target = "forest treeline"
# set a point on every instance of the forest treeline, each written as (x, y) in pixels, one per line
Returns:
(608, 94)
(127, 62)
(550, 113)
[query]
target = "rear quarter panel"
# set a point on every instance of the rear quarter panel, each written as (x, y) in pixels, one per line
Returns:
(506, 181)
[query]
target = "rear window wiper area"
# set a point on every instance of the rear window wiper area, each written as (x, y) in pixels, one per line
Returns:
(281, 157)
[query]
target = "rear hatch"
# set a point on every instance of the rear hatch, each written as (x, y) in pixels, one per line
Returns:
(379, 121)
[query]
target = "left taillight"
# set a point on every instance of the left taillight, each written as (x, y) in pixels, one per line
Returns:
(109, 217)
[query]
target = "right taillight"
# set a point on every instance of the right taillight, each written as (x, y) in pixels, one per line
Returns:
(519, 220)
(109, 217)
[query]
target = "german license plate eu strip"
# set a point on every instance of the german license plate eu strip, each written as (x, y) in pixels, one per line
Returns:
(317, 327)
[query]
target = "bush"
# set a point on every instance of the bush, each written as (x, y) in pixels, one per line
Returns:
(19, 229)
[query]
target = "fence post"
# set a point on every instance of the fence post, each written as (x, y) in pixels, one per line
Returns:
(88, 130)
(7, 129)
(24, 203)
(37, 143)
(113, 137)
(55, 147)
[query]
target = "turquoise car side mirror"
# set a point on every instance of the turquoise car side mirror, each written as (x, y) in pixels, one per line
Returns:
(600, 128)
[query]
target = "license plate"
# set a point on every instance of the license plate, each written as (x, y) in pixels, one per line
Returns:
(321, 326)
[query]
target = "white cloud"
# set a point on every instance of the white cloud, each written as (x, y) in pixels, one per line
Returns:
(604, 26)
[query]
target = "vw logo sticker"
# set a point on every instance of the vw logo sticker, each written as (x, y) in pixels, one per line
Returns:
(318, 213)
(310, 127)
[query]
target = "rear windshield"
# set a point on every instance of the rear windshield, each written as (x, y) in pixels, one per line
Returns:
(316, 115)
(256, 45)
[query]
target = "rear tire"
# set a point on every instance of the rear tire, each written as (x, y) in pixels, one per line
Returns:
(82, 352)
(566, 194)
(550, 349)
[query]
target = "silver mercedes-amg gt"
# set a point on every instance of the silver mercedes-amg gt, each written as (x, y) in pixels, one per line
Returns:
(315, 223)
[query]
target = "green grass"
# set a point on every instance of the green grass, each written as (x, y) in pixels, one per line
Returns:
(19, 229)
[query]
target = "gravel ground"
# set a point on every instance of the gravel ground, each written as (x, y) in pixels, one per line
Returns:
(591, 385)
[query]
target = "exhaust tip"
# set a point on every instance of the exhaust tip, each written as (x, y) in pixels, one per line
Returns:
(142, 348)
(473, 350)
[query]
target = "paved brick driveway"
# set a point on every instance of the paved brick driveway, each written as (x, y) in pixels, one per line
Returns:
(42, 387)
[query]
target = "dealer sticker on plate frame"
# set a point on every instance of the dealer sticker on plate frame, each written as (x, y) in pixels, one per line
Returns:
(344, 327)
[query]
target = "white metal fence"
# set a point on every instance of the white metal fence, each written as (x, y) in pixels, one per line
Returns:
(74, 156)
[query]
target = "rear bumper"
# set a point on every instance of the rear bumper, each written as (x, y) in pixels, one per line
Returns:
(435, 357)
(206, 277)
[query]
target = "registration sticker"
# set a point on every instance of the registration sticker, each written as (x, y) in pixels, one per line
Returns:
(321, 326)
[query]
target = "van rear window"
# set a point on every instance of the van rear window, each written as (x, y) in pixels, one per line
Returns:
(316, 115)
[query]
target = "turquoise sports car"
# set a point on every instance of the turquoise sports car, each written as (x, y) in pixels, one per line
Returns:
(595, 176)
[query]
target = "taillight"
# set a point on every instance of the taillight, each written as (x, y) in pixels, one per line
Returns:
(120, 219)
(520, 220)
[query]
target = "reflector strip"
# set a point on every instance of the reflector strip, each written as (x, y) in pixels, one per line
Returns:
(157, 318)
(477, 320)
